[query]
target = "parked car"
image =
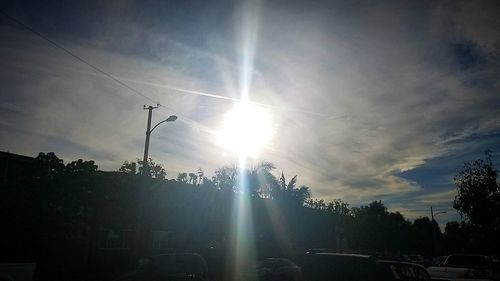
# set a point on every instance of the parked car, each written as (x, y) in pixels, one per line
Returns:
(350, 267)
(463, 266)
(170, 267)
(438, 261)
(416, 259)
(455, 274)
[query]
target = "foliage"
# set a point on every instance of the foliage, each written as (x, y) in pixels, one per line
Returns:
(378, 229)
(64, 202)
(48, 165)
(225, 179)
(260, 179)
(288, 193)
(336, 206)
(478, 199)
(80, 166)
(128, 168)
(426, 235)
(182, 177)
(156, 171)
(457, 236)
(193, 178)
(339, 207)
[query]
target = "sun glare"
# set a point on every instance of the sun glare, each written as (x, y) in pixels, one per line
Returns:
(246, 129)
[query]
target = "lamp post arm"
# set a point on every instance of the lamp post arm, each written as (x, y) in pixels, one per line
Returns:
(150, 131)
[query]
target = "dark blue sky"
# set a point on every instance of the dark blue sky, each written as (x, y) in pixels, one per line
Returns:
(369, 101)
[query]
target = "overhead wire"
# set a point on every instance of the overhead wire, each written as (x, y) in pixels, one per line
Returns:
(102, 72)
(120, 81)
(74, 55)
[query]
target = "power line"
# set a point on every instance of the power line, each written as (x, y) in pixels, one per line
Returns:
(75, 56)
(135, 91)
(109, 75)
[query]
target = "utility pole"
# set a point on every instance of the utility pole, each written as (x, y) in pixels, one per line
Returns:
(145, 164)
(141, 239)
(141, 244)
(435, 231)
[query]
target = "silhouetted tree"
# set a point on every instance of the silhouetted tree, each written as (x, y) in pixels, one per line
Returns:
(81, 166)
(260, 179)
(193, 178)
(66, 198)
(478, 200)
(156, 171)
(48, 165)
(201, 176)
(339, 207)
(375, 228)
(182, 177)
(317, 204)
(426, 236)
(457, 237)
(225, 179)
(289, 193)
(128, 168)
(207, 183)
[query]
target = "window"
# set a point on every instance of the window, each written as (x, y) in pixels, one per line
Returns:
(115, 239)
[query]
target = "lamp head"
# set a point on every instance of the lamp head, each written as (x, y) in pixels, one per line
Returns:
(171, 118)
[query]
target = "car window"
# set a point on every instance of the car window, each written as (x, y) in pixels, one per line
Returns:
(422, 275)
(406, 272)
(476, 261)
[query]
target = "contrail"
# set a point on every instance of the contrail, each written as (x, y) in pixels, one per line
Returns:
(205, 94)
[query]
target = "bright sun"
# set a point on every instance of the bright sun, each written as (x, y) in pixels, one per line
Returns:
(246, 129)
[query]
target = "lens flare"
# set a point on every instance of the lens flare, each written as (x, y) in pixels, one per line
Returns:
(246, 129)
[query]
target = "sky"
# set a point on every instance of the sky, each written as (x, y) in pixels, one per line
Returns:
(370, 100)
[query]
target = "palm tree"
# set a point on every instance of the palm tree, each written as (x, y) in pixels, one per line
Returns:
(260, 179)
(289, 193)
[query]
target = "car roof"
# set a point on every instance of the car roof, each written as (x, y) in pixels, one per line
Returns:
(467, 255)
(340, 255)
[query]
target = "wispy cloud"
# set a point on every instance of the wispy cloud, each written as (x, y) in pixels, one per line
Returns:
(438, 197)
(359, 93)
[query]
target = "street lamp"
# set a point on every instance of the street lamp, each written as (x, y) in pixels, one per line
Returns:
(436, 214)
(171, 118)
(141, 239)
(434, 222)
